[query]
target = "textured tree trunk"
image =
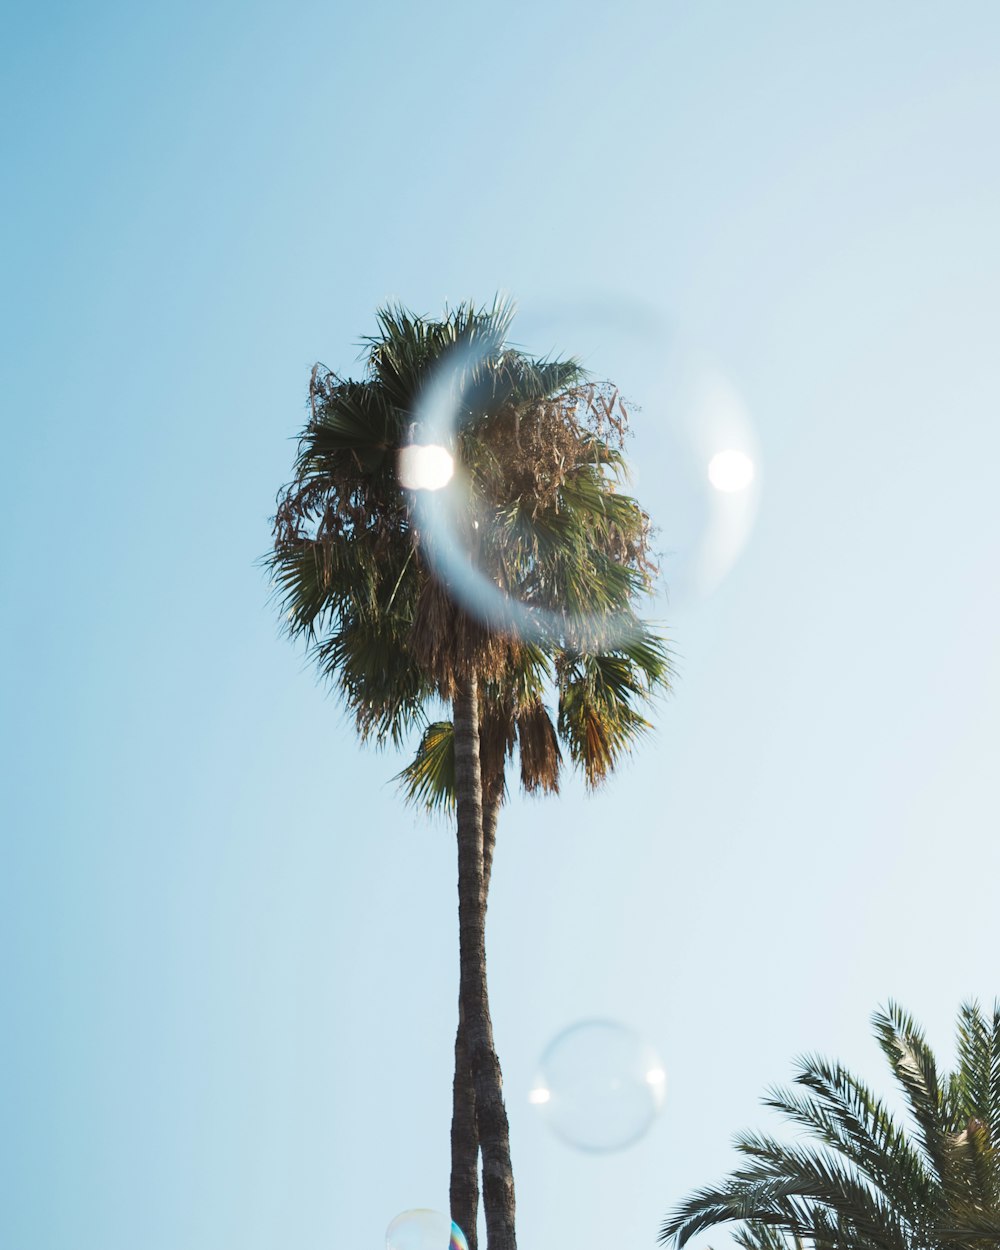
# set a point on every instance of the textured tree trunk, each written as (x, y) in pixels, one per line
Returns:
(490, 1113)
(464, 1190)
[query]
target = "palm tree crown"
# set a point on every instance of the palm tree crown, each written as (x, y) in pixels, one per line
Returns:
(870, 1183)
(537, 444)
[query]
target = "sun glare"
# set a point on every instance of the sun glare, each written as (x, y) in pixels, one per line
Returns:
(425, 466)
(730, 470)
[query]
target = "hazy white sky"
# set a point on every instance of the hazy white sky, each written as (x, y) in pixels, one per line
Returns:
(228, 954)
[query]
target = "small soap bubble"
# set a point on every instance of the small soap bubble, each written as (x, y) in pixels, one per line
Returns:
(423, 1229)
(599, 1086)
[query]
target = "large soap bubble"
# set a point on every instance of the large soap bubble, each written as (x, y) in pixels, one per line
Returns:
(599, 1086)
(692, 452)
(423, 1229)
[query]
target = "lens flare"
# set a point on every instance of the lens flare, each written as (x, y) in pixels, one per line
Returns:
(730, 470)
(426, 466)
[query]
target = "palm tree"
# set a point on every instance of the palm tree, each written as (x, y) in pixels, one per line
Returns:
(355, 577)
(871, 1183)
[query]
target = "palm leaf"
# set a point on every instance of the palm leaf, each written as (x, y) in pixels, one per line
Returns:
(870, 1183)
(428, 781)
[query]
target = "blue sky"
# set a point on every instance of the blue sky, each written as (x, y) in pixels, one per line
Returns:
(227, 952)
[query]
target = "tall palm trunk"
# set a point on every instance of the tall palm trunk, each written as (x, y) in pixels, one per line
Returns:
(464, 1189)
(490, 1113)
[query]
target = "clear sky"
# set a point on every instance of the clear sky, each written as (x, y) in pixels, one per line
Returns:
(228, 954)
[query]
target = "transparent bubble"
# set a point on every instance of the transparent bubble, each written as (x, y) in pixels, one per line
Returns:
(691, 450)
(423, 1229)
(599, 1086)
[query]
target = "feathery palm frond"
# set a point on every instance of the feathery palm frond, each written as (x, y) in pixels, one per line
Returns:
(870, 1184)
(764, 1237)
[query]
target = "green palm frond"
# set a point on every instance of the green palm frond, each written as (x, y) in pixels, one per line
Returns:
(915, 1068)
(765, 1237)
(599, 695)
(821, 1183)
(871, 1183)
(428, 781)
(352, 419)
(848, 1119)
(377, 678)
(979, 1060)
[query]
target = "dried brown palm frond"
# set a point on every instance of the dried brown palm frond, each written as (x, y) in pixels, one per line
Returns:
(497, 738)
(541, 759)
(450, 643)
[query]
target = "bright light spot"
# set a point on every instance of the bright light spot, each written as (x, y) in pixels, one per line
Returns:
(655, 1076)
(730, 470)
(425, 466)
(539, 1095)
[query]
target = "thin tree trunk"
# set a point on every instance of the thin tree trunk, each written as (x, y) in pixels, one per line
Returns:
(491, 1115)
(464, 1189)
(492, 793)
